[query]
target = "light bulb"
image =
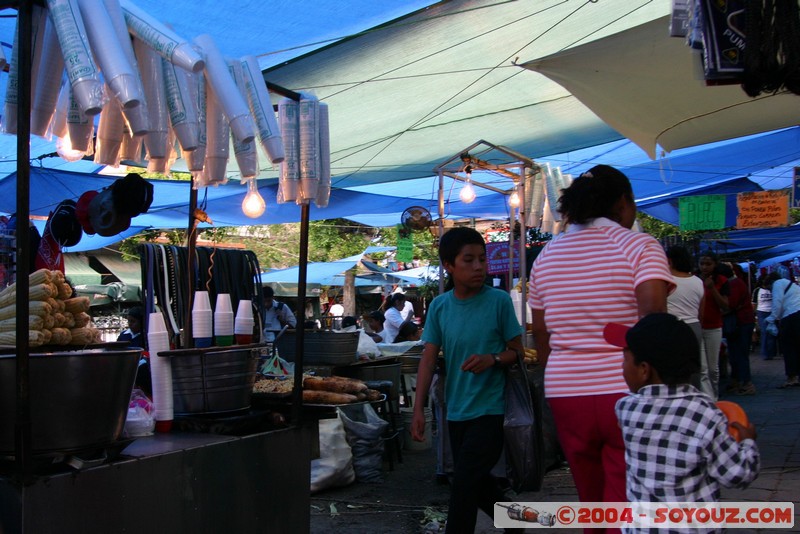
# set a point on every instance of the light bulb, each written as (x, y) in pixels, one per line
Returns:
(467, 193)
(253, 204)
(513, 200)
(65, 150)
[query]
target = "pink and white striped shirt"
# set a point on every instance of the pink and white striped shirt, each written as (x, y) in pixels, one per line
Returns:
(583, 280)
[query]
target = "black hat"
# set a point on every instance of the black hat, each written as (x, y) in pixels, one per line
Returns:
(132, 195)
(665, 342)
(104, 217)
(64, 225)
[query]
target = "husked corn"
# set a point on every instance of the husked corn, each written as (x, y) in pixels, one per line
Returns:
(76, 304)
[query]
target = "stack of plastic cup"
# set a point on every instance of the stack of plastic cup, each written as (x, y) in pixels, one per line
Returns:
(202, 320)
(223, 321)
(243, 327)
(160, 372)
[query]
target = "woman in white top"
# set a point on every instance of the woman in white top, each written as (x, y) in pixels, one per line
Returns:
(394, 315)
(687, 300)
(762, 298)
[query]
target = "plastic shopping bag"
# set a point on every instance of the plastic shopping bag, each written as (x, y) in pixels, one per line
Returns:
(522, 432)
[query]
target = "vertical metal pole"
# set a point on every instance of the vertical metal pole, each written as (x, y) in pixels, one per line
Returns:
(302, 277)
(22, 428)
(191, 248)
(511, 221)
(441, 227)
(523, 255)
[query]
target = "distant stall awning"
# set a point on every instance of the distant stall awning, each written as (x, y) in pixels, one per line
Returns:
(78, 271)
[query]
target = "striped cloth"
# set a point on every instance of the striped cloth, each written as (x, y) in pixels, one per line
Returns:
(583, 280)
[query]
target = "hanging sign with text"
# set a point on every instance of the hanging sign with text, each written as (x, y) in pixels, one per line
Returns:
(405, 245)
(702, 212)
(762, 209)
(497, 258)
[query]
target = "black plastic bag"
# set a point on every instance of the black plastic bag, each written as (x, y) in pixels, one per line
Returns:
(522, 432)
(364, 429)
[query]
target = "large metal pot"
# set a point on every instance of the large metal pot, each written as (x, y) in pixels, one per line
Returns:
(79, 399)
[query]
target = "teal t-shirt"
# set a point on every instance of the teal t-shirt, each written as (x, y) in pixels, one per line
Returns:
(461, 327)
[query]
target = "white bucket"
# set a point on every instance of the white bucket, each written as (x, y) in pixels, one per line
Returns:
(408, 442)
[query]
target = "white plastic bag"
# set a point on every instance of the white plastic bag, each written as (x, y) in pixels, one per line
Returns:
(334, 467)
(140, 421)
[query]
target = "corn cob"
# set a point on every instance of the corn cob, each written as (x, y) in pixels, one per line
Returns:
(60, 319)
(48, 335)
(69, 320)
(35, 307)
(82, 319)
(42, 276)
(77, 304)
(35, 322)
(61, 336)
(37, 292)
(84, 336)
(35, 338)
(64, 290)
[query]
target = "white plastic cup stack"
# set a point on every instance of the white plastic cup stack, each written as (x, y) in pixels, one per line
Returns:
(223, 320)
(160, 371)
(202, 330)
(243, 327)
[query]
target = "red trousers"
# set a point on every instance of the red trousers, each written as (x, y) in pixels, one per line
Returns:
(592, 443)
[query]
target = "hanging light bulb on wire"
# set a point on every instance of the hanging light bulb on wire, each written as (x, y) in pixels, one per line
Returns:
(65, 150)
(513, 200)
(467, 193)
(253, 204)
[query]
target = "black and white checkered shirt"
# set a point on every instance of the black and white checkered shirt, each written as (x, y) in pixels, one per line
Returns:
(677, 446)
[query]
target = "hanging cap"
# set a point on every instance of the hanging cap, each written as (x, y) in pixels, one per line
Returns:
(132, 195)
(82, 211)
(104, 217)
(64, 225)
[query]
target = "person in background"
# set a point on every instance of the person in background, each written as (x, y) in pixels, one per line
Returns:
(786, 314)
(598, 271)
(739, 340)
(408, 307)
(276, 315)
(375, 320)
(408, 331)
(762, 299)
(336, 310)
(715, 304)
(677, 444)
(475, 327)
(134, 336)
(686, 301)
(394, 315)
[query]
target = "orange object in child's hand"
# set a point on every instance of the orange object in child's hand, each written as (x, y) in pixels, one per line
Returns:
(735, 414)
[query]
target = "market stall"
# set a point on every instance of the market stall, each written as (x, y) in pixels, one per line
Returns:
(55, 459)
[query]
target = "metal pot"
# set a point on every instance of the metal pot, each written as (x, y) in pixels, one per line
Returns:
(79, 399)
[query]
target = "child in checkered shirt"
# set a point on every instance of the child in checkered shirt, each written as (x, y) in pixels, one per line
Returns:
(677, 444)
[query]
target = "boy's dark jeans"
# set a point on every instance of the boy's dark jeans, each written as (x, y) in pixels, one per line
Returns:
(477, 445)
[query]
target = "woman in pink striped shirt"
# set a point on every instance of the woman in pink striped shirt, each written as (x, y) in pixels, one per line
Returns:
(598, 271)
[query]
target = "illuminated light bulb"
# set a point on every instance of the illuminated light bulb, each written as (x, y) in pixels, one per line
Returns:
(65, 150)
(253, 204)
(467, 193)
(513, 200)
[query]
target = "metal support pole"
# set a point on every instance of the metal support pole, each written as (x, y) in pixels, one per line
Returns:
(523, 256)
(302, 277)
(441, 227)
(22, 428)
(191, 248)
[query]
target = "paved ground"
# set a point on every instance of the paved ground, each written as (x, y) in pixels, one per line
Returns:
(409, 495)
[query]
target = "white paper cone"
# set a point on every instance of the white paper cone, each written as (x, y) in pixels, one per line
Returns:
(81, 71)
(118, 71)
(261, 109)
(324, 189)
(224, 88)
(62, 108)
(51, 72)
(217, 141)
(181, 105)
(246, 155)
(161, 39)
(109, 134)
(289, 180)
(80, 127)
(160, 367)
(152, 75)
(308, 114)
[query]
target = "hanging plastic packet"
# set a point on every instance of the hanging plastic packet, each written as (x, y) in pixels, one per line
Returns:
(195, 159)
(39, 17)
(152, 75)
(261, 109)
(110, 131)
(181, 105)
(324, 188)
(245, 152)
(218, 134)
(289, 181)
(308, 115)
(51, 73)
